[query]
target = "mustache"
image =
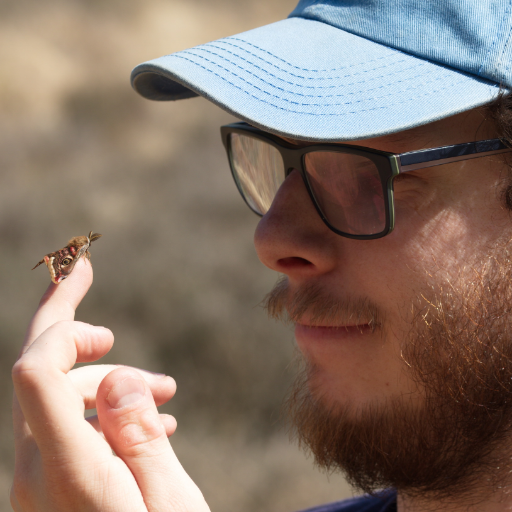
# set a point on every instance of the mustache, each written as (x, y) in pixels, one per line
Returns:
(320, 307)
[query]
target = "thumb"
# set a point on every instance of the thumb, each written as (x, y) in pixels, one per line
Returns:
(131, 424)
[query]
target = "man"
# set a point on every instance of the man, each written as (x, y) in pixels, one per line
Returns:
(397, 268)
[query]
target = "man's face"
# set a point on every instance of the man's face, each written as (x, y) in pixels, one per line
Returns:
(388, 327)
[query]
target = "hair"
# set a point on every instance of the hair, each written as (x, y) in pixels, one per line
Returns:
(500, 112)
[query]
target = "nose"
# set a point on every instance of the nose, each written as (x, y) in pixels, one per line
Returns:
(291, 238)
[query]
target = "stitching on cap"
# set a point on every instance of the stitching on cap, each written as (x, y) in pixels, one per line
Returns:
(203, 48)
(301, 76)
(312, 113)
(225, 41)
(294, 92)
(308, 104)
(292, 83)
(391, 51)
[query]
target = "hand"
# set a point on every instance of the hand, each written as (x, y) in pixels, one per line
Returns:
(65, 462)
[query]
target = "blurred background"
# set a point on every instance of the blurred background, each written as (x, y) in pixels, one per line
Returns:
(176, 275)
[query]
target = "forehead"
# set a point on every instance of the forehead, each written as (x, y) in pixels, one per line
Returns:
(468, 126)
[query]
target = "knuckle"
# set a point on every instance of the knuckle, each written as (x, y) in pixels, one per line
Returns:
(144, 436)
(85, 334)
(66, 323)
(25, 371)
(66, 327)
(76, 333)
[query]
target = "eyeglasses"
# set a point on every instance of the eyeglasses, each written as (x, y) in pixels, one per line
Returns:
(350, 186)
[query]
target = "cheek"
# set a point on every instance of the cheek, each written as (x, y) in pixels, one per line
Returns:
(440, 243)
(418, 256)
(430, 252)
(457, 216)
(428, 239)
(435, 253)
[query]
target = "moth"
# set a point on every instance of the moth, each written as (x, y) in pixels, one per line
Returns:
(61, 263)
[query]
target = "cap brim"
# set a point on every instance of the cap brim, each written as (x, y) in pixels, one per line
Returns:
(307, 80)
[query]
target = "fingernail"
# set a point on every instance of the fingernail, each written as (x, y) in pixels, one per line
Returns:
(126, 392)
(155, 374)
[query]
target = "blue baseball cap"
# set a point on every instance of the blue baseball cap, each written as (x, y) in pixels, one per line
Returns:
(339, 70)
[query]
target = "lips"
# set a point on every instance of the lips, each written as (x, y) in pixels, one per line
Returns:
(307, 335)
(341, 322)
(314, 309)
(352, 328)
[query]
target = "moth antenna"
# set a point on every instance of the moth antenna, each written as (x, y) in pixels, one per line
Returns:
(94, 236)
(42, 261)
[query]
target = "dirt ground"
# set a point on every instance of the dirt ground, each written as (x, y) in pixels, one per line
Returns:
(176, 275)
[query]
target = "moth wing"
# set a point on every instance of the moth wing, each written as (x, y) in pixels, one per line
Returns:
(78, 255)
(54, 260)
(49, 259)
(42, 261)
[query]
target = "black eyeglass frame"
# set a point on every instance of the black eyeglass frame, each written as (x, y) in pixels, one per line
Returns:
(389, 165)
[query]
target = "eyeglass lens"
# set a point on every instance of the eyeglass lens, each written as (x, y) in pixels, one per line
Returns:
(348, 191)
(346, 187)
(258, 170)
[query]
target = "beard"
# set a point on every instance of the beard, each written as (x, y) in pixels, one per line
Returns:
(459, 354)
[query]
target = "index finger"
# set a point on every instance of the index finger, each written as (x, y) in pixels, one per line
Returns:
(60, 301)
